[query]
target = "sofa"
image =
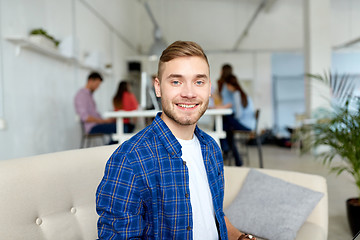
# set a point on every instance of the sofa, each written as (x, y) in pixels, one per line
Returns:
(52, 196)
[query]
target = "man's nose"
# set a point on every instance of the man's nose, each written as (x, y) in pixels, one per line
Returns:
(188, 91)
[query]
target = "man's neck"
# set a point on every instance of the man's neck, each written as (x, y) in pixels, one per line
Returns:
(89, 88)
(184, 132)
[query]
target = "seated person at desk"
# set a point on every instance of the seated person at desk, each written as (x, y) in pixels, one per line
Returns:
(223, 98)
(243, 117)
(125, 100)
(86, 108)
(242, 106)
(224, 94)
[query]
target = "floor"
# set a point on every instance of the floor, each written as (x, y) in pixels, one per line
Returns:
(340, 188)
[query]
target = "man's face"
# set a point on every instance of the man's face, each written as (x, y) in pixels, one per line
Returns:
(94, 84)
(184, 90)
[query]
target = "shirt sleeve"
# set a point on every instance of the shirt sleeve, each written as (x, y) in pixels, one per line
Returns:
(81, 105)
(118, 201)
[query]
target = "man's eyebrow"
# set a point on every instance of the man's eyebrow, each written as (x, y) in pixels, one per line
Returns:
(174, 75)
(197, 76)
(201, 76)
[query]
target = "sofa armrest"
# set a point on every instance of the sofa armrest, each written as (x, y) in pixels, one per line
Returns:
(51, 196)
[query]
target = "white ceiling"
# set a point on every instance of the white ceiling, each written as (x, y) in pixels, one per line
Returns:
(218, 24)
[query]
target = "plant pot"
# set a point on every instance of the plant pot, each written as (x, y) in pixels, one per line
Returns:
(42, 41)
(353, 213)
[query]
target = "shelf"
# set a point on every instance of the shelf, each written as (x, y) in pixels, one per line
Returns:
(26, 43)
(22, 42)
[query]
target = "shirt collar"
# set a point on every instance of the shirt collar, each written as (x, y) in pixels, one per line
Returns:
(88, 91)
(168, 140)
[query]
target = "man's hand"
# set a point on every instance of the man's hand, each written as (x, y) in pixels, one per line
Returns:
(109, 120)
(99, 120)
(235, 234)
(246, 236)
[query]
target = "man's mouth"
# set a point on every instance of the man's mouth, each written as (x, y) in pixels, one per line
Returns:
(187, 105)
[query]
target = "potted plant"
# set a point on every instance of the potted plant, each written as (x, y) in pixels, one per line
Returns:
(339, 131)
(40, 36)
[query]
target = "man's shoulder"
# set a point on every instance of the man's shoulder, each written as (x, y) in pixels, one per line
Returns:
(140, 141)
(81, 93)
(139, 152)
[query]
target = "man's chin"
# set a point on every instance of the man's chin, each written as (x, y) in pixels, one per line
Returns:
(186, 122)
(183, 120)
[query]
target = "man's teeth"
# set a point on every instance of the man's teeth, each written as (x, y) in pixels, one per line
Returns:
(187, 106)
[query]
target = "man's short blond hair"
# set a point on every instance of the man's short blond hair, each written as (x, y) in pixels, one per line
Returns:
(180, 49)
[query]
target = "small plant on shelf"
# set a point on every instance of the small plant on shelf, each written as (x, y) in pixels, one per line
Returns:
(40, 31)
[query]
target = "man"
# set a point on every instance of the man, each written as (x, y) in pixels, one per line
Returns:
(167, 182)
(86, 108)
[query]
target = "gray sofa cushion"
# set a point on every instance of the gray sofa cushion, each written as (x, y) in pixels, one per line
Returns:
(271, 208)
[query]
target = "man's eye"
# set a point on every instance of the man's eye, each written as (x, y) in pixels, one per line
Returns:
(175, 82)
(199, 82)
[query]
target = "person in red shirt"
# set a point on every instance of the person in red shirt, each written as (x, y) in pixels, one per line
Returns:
(125, 100)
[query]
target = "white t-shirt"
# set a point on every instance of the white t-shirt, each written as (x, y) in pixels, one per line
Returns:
(204, 225)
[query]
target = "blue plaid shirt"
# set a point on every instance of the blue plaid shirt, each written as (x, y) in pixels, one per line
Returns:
(145, 194)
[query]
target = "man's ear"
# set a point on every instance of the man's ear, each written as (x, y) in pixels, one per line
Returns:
(157, 87)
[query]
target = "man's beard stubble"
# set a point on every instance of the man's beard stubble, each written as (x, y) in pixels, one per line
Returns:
(171, 114)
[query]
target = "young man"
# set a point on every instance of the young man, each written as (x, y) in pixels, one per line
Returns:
(167, 182)
(86, 108)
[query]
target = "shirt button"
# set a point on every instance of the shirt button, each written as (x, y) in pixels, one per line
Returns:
(187, 195)
(188, 228)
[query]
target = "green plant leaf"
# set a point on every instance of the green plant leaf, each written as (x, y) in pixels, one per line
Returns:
(340, 130)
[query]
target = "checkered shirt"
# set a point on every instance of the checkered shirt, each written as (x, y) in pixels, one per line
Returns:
(145, 193)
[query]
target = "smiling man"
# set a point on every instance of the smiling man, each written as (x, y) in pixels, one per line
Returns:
(167, 182)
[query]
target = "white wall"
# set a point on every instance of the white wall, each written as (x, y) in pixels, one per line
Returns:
(344, 21)
(39, 90)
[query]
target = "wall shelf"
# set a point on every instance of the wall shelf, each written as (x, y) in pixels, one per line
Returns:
(22, 42)
(26, 43)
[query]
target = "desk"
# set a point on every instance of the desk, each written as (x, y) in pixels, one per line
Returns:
(120, 115)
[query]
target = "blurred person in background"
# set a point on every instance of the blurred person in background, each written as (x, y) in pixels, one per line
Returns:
(125, 100)
(243, 117)
(85, 107)
(224, 96)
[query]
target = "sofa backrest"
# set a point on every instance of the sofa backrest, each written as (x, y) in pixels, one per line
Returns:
(51, 196)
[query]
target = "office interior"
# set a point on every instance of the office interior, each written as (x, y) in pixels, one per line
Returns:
(271, 45)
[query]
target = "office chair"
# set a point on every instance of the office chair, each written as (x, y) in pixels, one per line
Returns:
(87, 138)
(243, 138)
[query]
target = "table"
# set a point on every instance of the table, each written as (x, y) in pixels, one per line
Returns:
(120, 136)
